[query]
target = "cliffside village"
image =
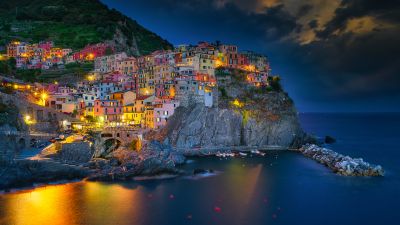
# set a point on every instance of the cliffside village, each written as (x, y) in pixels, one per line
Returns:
(139, 91)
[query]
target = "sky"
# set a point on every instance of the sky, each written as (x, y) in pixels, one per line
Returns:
(332, 55)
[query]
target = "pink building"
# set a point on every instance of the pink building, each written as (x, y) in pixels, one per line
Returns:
(110, 110)
(52, 88)
(116, 77)
(162, 111)
(46, 45)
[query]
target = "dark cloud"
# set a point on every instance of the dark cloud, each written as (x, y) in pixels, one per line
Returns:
(313, 24)
(304, 10)
(352, 63)
(387, 11)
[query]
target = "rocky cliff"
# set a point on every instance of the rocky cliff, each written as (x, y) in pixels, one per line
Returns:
(244, 116)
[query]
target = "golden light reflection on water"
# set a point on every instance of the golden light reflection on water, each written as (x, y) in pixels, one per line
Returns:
(78, 203)
(110, 203)
(42, 206)
(241, 186)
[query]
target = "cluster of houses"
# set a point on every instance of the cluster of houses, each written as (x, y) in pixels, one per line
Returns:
(41, 55)
(45, 55)
(144, 91)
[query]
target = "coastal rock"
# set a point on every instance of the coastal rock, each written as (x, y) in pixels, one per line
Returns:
(341, 164)
(154, 159)
(199, 126)
(24, 173)
(329, 140)
(242, 116)
(79, 152)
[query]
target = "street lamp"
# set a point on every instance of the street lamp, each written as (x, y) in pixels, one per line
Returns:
(43, 97)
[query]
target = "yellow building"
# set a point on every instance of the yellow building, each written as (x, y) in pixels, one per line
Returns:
(89, 111)
(131, 116)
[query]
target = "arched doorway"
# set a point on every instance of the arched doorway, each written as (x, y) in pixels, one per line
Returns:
(111, 145)
(33, 143)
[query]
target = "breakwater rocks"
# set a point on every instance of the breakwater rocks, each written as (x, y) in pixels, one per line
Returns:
(341, 164)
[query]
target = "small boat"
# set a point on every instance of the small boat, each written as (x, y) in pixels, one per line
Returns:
(262, 153)
(255, 152)
(230, 154)
(218, 154)
(242, 154)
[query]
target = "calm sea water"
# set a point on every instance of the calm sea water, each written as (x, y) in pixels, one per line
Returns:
(282, 188)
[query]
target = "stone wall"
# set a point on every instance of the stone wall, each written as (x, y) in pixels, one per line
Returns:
(8, 148)
(79, 152)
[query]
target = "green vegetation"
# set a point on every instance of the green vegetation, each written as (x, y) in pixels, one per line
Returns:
(7, 66)
(223, 92)
(47, 76)
(275, 83)
(221, 72)
(245, 116)
(64, 35)
(31, 75)
(9, 114)
(7, 90)
(72, 24)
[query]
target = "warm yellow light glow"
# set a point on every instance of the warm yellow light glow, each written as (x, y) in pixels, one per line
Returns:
(77, 126)
(218, 63)
(90, 77)
(82, 118)
(90, 56)
(15, 86)
(237, 103)
(28, 120)
(43, 95)
(55, 82)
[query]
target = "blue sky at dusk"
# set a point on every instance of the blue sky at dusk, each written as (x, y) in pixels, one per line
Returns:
(339, 55)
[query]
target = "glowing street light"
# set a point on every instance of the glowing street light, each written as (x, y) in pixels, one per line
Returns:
(43, 97)
(28, 120)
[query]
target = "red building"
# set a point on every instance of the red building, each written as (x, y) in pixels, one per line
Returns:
(90, 52)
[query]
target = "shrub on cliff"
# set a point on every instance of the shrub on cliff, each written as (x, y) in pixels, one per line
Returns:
(275, 83)
(9, 114)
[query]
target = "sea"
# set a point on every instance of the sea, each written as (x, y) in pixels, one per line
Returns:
(280, 188)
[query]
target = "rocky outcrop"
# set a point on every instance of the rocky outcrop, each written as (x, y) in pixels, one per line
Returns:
(8, 149)
(123, 164)
(25, 173)
(269, 120)
(79, 152)
(341, 164)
